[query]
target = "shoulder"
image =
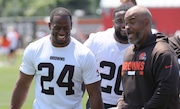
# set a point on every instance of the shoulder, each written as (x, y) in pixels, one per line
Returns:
(174, 39)
(100, 37)
(162, 42)
(174, 42)
(162, 49)
(38, 43)
(103, 34)
(79, 46)
(82, 53)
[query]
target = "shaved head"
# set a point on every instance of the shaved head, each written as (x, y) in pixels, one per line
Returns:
(139, 11)
(138, 21)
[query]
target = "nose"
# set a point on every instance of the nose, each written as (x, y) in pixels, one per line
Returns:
(123, 25)
(62, 32)
(126, 26)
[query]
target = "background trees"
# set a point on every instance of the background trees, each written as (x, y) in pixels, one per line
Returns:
(14, 8)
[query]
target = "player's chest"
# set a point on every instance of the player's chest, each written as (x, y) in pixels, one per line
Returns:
(112, 53)
(56, 62)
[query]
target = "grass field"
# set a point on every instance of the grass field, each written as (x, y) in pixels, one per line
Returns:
(9, 75)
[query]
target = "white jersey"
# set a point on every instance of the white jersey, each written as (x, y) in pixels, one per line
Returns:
(59, 73)
(109, 56)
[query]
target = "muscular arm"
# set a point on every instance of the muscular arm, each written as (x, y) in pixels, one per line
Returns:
(20, 90)
(94, 92)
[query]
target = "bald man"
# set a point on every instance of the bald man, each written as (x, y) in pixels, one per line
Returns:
(150, 68)
(154, 30)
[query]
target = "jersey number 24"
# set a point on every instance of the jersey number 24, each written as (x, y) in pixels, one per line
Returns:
(67, 70)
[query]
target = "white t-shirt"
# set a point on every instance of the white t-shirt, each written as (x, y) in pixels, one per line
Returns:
(109, 56)
(59, 73)
(13, 38)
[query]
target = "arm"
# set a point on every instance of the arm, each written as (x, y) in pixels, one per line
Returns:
(20, 90)
(166, 77)
(94, 92)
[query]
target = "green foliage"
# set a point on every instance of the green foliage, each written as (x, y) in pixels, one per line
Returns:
(40, 8)
(16, 8)
(9, 75)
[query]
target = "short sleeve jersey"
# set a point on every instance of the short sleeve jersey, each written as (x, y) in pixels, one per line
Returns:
(59, 73)
(109, 56)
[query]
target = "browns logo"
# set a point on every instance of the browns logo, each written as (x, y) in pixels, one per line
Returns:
(142, 56)
(133, 66)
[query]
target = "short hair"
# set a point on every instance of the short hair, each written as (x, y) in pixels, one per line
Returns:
(122, 7)
(60, 11)
(133, 1)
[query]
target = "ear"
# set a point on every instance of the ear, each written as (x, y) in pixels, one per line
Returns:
(49, 24)
(113, 21)
(146, 22)
(71, 25)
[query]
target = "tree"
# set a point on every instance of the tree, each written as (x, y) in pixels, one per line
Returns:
(43, 7)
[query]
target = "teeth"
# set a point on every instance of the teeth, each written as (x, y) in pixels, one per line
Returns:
(123, 30)
(61, 36)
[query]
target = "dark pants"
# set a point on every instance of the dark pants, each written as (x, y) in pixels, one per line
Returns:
(106, 106)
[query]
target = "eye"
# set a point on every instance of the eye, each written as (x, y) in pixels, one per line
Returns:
(67, 28)
(119, 21)
(130, 22)
(56, 29)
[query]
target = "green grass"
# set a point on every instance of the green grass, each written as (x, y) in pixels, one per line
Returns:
(9, 75)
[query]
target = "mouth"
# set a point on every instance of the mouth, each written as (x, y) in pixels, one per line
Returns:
(61, 37)
(130, 35)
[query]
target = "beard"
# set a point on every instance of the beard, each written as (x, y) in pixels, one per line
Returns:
(120, 36)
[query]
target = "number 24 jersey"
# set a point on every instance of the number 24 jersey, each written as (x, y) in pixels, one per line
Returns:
(59, 73)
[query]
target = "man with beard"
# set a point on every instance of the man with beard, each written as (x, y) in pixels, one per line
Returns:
(108, 47)
(150, 68)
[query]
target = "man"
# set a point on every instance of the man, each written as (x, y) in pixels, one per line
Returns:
(13, 38)
(109, 47)
(150, 67)
(174, 42)
(154, 30)
(60, 64)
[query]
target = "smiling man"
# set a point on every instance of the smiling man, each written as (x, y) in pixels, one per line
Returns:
(60, 64)
(108, 47)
